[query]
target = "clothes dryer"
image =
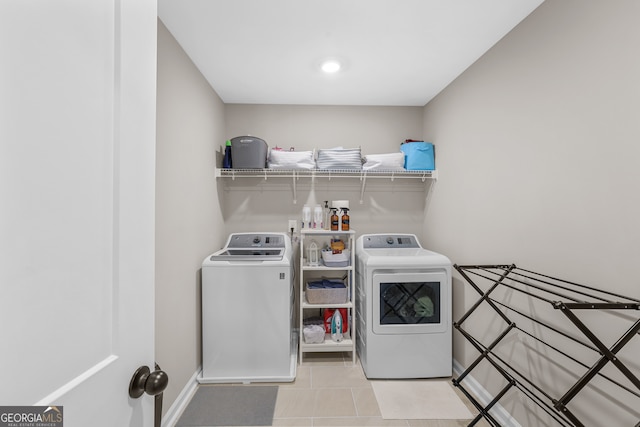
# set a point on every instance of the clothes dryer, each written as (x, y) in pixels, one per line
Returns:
(403, 303)
(247, 311)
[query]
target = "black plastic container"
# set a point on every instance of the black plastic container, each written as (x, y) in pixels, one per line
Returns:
(248, 152)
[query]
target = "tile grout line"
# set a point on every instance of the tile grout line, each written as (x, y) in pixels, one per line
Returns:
(353, 399)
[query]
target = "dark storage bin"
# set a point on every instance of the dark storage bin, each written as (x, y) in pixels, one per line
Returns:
(248, 152)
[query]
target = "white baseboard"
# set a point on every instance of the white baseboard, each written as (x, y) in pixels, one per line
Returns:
(484, 397)
(181, 402)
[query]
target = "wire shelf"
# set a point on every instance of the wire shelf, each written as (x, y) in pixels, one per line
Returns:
(313, 174)
(325, 173)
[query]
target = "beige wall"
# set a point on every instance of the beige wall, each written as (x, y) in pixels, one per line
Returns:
(188, 219)
(538, 148)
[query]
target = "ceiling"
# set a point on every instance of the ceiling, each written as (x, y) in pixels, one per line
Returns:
(393, 52)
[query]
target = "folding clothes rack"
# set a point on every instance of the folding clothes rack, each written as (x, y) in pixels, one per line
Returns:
(567, 297)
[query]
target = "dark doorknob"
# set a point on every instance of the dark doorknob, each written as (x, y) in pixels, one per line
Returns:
(143, 380)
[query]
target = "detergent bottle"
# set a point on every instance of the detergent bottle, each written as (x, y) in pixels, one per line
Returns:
(306, 216)
(226, 161)
(336, 326)
(317, 217)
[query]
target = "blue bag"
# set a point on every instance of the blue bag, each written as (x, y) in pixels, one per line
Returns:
(418, 156)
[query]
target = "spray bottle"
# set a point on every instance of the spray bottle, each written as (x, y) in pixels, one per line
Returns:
(345, 219)
(335, 220)
(327, 216)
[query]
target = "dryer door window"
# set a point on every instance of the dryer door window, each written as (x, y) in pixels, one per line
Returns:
(410, 302)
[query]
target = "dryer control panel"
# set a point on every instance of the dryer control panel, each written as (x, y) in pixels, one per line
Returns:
(396, 241)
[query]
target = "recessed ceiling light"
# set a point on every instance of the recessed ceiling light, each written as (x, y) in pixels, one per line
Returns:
(330, 66)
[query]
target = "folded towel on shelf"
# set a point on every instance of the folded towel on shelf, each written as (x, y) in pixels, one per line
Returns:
(339, 158)
(326, 283)
(280, 159)
(387, 162)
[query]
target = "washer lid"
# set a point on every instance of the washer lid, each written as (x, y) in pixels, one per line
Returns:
(248, 254)
(256, 240)
(253, 247)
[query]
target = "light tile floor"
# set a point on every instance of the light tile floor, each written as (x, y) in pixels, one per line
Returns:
(330, 391)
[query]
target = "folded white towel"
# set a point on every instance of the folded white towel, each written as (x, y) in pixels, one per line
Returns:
(388, 162)
(291, 160)
(339, 158)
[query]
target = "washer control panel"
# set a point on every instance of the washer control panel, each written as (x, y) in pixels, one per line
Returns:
(378, 241)
(256, 241)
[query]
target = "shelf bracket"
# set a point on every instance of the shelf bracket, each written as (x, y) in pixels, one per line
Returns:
(295, 194)
(363, 180)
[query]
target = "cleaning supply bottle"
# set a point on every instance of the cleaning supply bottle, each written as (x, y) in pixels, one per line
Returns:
(327, 216)
(336, 326)
(345, 219)
(335, 221)
(317, 217)
(226, 161)
(306, 216)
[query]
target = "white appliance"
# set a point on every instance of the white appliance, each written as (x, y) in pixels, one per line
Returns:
(403, 301)
(247, 311)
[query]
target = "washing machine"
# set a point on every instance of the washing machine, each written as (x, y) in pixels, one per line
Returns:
(403, 302)
(247, 311)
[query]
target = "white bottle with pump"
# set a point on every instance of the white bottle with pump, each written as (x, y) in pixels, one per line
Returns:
(317, 217)
(327, 216)
(306, 217)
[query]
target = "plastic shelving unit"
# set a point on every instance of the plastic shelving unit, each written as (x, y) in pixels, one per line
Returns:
(307, 309)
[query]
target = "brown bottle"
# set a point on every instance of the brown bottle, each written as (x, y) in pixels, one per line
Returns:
(345, 219)
(335, 220)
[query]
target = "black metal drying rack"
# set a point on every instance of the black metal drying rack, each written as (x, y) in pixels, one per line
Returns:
(562, 295)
